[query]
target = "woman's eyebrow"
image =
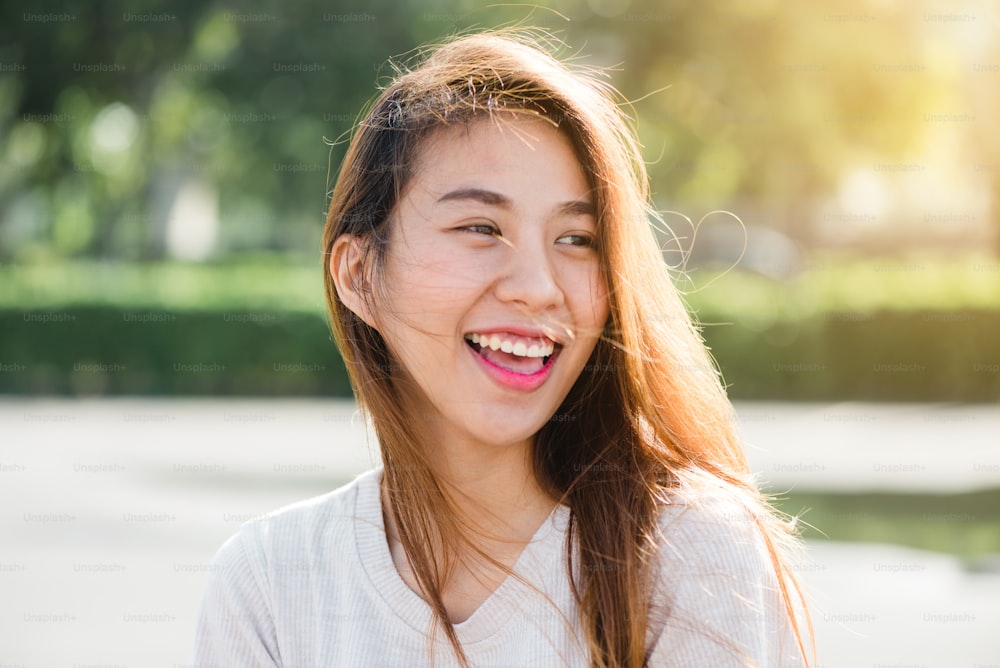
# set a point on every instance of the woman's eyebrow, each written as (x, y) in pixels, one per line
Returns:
(491, 198)
(487, 197)
(577, 208)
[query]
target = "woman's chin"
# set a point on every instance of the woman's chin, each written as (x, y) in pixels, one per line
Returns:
(502, 431)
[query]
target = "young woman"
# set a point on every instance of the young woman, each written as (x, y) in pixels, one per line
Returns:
(562, 483)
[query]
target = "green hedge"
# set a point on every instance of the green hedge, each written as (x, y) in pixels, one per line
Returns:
(881, 356)
(887, 355)
(964, 524)
(850, 329)
(103, 350)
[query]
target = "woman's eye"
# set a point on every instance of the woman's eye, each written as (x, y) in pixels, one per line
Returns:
(489, 230)
(584, 240)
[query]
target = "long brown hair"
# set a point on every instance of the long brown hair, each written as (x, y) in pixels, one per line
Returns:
(648, 414)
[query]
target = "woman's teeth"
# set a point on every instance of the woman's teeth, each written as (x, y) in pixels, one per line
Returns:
(513, 346)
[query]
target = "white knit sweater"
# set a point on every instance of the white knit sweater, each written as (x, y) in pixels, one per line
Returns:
(313, 585)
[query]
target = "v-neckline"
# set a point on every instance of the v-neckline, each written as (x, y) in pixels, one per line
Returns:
(492, 612)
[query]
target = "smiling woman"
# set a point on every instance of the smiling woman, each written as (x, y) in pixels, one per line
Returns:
(561, 479)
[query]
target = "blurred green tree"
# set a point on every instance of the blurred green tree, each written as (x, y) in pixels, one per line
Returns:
(137, 130)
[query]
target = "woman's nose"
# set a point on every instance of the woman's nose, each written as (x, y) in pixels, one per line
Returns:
(529, 279)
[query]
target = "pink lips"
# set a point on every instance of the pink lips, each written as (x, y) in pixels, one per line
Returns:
(512, 379)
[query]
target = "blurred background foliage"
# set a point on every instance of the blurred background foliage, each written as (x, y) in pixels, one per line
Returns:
(164, 172)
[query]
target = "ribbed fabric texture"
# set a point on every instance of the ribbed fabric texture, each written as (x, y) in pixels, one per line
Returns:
(313, 585)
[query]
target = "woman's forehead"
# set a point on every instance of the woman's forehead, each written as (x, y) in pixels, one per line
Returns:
(494, 148)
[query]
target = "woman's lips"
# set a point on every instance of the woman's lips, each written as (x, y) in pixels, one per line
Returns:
(513, 371)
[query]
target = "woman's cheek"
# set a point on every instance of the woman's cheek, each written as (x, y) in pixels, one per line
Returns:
(464, 271)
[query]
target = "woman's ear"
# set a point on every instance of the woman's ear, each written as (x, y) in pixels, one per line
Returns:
(350, 275)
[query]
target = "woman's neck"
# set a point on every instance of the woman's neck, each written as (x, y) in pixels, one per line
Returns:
(492, 485)
(498, 496)
(496, 487)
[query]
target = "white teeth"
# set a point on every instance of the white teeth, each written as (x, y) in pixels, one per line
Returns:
(519, 348)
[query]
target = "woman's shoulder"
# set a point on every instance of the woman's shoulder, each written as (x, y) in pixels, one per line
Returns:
(303, 529)
(713, 535)
(706, 514)
(718, 592)
(256, 582)
(320, 511)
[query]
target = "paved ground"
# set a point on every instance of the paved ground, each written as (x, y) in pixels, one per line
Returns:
(110, 512)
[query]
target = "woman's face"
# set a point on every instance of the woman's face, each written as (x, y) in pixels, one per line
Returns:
(493, 297)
